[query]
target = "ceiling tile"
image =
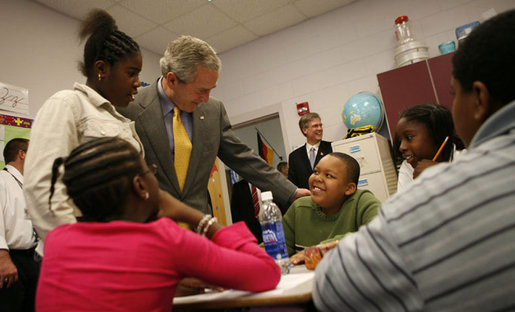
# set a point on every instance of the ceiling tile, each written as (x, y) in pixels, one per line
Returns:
(76, 8)
(156, 40)
(274, 21)
(313, 8)
(243, 11)
(161, 11)
(231, 38)
(129, 22)
(203, 22)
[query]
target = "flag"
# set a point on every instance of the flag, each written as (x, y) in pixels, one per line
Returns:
(266, 152)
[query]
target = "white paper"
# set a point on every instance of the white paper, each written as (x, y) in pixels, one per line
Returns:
(2, 133)
(14, 99)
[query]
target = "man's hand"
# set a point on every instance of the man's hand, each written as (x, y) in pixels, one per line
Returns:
(301, 192)
(8, 271)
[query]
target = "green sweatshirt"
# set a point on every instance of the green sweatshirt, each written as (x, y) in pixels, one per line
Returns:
(306, 225)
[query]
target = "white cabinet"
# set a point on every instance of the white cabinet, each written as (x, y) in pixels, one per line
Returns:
(377, 172)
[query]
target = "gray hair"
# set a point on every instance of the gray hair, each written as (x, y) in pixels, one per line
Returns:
(185, 54)
(305, 119)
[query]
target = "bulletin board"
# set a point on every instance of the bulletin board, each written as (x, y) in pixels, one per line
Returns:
(14, 101)
(12, 127)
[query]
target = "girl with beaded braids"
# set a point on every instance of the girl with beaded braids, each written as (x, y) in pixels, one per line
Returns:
(121, 256)
(112, 63)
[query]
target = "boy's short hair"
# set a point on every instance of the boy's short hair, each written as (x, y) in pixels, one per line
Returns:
(352, 165)
(281, 165)
(486, 55)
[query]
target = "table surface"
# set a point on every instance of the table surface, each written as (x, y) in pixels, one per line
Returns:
(294, 288)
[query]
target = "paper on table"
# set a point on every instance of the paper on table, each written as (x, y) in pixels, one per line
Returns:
(287, 282)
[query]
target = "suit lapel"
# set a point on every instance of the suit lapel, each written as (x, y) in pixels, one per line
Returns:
(199, 129)
(321, 152)
(152, 122)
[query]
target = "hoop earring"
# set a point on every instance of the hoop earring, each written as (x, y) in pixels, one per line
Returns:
(99, 76)
(147, 195)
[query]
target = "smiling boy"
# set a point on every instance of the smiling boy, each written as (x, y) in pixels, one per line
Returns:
(334, 208)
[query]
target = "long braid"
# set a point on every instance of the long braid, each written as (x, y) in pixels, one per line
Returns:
(105, 41)
(98, 176)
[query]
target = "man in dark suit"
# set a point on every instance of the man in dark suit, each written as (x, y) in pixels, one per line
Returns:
(190, 69)
(304, 159)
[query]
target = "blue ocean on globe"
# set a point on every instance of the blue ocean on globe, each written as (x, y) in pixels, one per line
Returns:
(361, 110)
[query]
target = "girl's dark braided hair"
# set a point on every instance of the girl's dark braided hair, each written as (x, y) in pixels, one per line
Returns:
(98, 177)
(105, 41)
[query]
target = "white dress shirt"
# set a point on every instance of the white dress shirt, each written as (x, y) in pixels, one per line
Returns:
(16, 230)
(308, 148)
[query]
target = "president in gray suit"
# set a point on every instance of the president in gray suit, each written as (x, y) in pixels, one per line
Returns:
(190, 69)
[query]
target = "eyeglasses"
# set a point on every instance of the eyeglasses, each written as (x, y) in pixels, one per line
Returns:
(151, 169)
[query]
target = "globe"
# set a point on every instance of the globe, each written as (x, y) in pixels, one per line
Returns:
(363, 109)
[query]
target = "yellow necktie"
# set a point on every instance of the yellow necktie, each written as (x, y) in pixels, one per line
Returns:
(182, 146)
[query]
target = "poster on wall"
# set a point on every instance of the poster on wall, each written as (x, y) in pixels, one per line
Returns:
(12, 127)
(14, 99)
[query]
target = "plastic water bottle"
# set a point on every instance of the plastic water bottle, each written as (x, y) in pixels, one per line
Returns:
(271, 218)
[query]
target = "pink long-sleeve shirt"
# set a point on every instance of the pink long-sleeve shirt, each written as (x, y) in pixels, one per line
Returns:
(126, 266)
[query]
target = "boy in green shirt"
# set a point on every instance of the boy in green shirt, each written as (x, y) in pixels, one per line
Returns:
(334, 208)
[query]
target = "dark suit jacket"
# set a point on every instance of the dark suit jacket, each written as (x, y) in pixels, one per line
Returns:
(212, 136)
(242, 208)
(299, 166)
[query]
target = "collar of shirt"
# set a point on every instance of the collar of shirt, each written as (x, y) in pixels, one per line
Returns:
(499, 123)
(98, 100)
(308, 147)
(15, 173)
(167, 107)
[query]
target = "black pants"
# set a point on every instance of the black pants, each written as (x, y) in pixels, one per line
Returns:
(21, 295)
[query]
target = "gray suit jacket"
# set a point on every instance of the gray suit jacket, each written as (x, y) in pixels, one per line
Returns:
(212, 136)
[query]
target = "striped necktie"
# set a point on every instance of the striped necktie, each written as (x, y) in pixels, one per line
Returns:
(312, 157)
(182, 148)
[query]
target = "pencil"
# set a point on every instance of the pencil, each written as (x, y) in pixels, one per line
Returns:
(441, 148)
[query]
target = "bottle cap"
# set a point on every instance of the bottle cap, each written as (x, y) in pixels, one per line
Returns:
(266, 195)
(401, 19)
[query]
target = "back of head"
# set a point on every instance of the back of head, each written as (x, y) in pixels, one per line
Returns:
(105, 41)
(98, 176)
(488, 55)
(305, 119)
(12, 147)
(185, 54)
(438, 120)
(351, 165)
(281, 165)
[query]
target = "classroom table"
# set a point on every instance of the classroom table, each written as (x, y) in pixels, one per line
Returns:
(294, 289)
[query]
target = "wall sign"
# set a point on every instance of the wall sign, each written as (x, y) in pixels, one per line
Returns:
(14, 99)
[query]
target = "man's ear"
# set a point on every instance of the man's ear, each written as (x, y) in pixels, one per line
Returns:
(483, 104)
(22, 154)
(140, 187)
(171, 80)
(305, 131)
(350, 189)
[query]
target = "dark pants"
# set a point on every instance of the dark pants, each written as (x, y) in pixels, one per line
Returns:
(21, 295)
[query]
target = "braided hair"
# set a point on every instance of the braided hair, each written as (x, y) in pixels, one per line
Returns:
(105, 41)
(438, 120)
(98, 177)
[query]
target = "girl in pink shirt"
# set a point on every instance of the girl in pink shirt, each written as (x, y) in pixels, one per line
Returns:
(124, 257)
